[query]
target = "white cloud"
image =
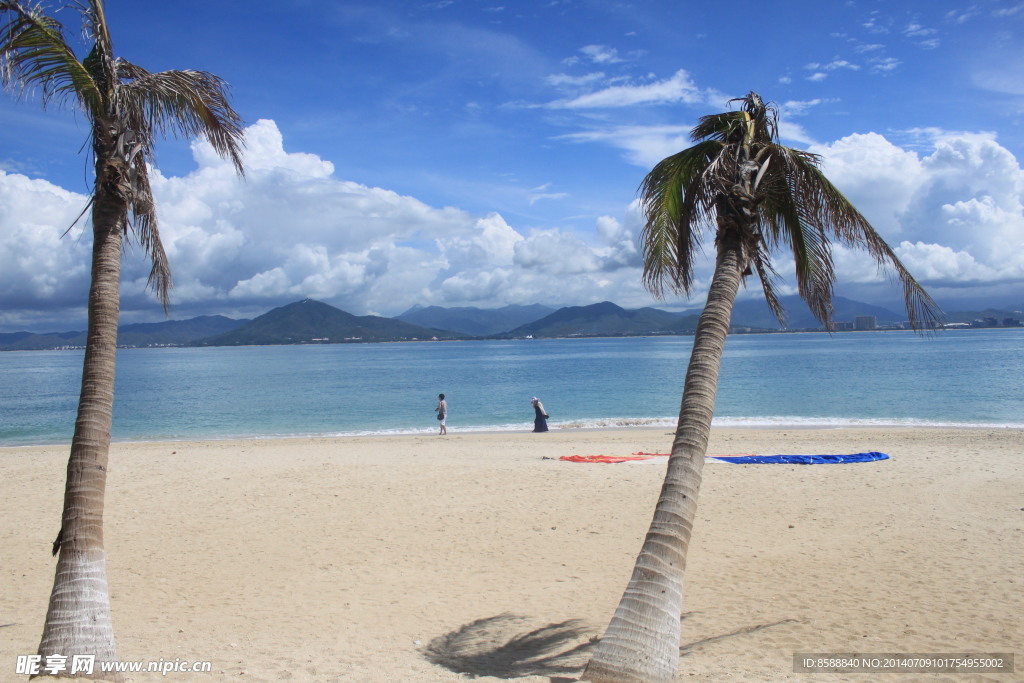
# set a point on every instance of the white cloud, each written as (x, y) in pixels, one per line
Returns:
(578, 81)
(38, 267)
(539, 193)
(884, 64)
(1009, 11)
(289, 230)
(793, 132)
(601, 54)
(952, 205)
(879, 177)
(490, 242)
(644, 145)
(821, 71)
(956, 213)
(916, 30)
(939, 264)
(679, 88)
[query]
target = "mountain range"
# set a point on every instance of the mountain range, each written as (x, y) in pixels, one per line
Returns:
(169, 333)
(309, 321)
(479, 322)
(314, 322)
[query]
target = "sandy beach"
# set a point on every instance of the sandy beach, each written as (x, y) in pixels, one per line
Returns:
(482, 556)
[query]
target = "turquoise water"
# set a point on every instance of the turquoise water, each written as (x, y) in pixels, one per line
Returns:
(971, 377)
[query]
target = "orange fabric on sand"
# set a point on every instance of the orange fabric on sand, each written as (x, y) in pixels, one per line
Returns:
(616, 458)
(601, 458)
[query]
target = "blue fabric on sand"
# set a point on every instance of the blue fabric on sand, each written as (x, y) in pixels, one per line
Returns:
(803, 459)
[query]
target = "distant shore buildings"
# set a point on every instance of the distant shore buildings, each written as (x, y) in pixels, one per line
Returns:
(865, 322)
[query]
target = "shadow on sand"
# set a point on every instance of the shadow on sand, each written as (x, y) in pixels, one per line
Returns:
(688, 648)
(497, 646)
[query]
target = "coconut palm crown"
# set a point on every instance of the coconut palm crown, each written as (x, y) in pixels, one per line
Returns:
(757, 197)
(126, 108)
(739, 182)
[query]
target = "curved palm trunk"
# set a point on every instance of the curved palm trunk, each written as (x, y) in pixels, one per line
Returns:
(641, 643)
(78, 620)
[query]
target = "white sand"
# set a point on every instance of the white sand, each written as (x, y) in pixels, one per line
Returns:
(349, 559)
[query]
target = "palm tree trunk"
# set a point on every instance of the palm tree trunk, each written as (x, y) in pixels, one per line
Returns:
(641, 643)
(78, 620)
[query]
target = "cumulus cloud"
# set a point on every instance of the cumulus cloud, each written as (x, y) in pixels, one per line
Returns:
(951, 204)
(291, 229)
(954, 215)
(41, 267)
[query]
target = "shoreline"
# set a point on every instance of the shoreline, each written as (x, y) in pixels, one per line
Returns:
(587, 426)
(484, 557)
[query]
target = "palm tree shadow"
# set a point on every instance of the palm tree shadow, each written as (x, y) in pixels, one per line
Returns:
(688, 648)
(491, 647)
(497, 646)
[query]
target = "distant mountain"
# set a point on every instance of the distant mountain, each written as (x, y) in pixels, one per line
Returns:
(169, 333)
(997, 313)
(28, 341)
(176, 332)
(316, 322)
(479, 322)
(754, 313)
(12, 337)
(600, 319)
(310, 321)
(608, 319)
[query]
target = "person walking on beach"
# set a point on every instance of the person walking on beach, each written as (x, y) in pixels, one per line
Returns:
(442, 414)
(540, 419)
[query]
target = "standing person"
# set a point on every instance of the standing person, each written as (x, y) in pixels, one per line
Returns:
(540, 419)
(442, 414)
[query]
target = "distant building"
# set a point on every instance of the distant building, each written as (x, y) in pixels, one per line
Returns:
(841, 326)
(865, 322)
(922, 325)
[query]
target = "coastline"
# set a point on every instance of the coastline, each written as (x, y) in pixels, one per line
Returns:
(358, 558)
(573, 426)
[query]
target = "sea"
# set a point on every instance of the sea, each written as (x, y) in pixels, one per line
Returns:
(964, 378)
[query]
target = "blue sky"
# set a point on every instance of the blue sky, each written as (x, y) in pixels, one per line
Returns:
(465, 153)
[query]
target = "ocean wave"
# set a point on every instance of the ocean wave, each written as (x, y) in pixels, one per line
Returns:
(772, 422)
(752, 422)
(756, 422)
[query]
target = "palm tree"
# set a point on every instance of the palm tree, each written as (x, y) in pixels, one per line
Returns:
(127, 107)
(759, 197)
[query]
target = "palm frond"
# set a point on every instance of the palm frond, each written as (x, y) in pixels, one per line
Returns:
(181, 104)
(143, 220)
(767, 275)
(826, 206)
(786, 223)
(764, 197)
(672, 197)
(34, 53)
(721, 126)
(127, 106)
